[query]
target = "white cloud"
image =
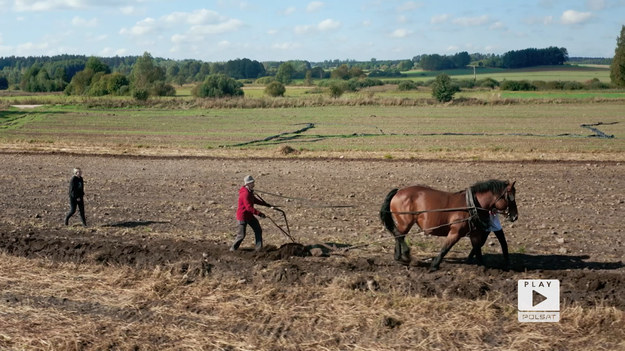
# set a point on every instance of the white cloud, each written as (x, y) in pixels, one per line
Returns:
(303, 29)
(34, 5)
(409, 6)
(81, 22)
(127, 10)
(400, 33)
(547, 20)
(471, 21)
(366, 23)
(143, 27)
(244, 5)
(328, 24)
(272, 31)
(183, 27)
(286, 46)
(179, 38)
(439, 19)
(197, 17)
(575, 17)
(31, 47)
(497, 25)
(314, 6)
(452, 48)
(230, 25)
(402, 19)
(289, 11)
(113, 52)
(325, 25)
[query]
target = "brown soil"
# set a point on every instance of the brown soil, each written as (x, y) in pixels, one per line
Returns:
(178, 214)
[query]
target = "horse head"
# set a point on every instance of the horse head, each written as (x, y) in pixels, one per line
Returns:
(506, 203)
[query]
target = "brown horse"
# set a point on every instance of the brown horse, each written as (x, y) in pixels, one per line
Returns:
(441, 213)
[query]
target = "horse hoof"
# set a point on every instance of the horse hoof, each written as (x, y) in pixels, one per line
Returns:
(433, 269)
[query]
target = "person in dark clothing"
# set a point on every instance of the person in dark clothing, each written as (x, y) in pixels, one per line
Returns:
(246, 212)
(76, 197)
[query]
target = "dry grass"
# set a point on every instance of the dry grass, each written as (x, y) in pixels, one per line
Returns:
(52, 306)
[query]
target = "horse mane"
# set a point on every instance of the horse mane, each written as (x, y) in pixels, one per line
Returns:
(493, 185)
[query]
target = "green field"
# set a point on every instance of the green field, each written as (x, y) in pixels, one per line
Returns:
(549, 73)
(475, 130)
(380, 121)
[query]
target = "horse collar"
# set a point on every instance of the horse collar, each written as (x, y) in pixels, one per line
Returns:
(474, 205)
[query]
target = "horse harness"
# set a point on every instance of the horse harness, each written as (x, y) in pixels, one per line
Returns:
(473, 206)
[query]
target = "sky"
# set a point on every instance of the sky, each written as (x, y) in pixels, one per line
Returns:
(222, 30)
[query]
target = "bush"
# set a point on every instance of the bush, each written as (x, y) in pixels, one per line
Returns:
(218, 85)
(275, 89)
(488, 83)
(514, 85)
(355, 84)
(160, 88)
(466, 83)
(124, 90)
(407, 85)
(265, 80)
(573, 86)
(443, 89)
(595, 83)
(140, 94)
(336, 90)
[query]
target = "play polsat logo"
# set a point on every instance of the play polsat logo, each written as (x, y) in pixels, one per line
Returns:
(539, 300)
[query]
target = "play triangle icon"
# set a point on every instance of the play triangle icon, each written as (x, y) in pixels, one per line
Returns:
(537, 298)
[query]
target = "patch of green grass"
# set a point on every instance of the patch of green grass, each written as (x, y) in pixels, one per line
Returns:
(435, 128)
(572, 94)
(545, 73)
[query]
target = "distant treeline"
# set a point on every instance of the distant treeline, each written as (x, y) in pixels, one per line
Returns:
(54, 73)
(590, 61)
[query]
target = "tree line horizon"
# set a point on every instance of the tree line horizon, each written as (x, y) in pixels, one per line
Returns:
(62, 68)
(145, 76)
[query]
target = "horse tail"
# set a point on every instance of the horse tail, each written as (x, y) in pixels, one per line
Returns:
(385, 212)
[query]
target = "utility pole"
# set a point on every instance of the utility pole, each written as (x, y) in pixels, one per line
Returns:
(474, 75)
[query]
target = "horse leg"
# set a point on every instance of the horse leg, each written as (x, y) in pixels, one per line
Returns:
(477, 241)
(402, 250)
(450, 241)
(504, 248)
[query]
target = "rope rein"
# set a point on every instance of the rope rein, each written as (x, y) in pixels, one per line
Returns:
(472, 208)
(401, 236)
(302, 199)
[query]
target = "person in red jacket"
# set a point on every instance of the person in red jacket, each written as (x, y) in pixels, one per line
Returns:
(246, 213)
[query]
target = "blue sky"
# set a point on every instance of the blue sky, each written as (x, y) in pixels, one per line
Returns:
(306, 30)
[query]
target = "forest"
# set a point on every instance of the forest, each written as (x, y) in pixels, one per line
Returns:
(55, 73)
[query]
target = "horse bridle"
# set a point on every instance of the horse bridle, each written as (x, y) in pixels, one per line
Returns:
(508, 197)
